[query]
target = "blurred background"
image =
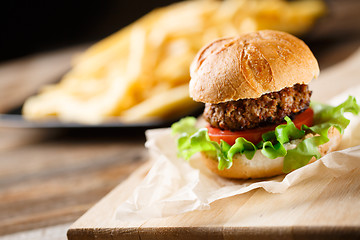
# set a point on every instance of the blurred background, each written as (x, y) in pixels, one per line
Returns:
(49, 177)
(39, 25)
(69, 27)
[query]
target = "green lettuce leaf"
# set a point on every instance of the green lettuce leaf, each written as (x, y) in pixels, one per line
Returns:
(324, 114)
(192, 140)
(185, 125)
(285, 132)
(242, 146)
(325, 117)
(302, 154)
(273, 151)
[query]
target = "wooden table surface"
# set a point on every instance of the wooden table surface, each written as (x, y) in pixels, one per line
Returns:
(49, 178)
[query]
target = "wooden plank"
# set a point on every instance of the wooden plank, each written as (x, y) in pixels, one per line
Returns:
(56, 232)
(48, 178)
(321, 207)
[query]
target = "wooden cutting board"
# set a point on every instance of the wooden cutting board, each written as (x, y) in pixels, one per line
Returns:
(323, 207)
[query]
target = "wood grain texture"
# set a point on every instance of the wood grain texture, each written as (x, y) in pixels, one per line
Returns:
(48, 178)
(48, 233)
(323, 207)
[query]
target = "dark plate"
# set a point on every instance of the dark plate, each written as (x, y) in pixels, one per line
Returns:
(14, 119)
(17, 121)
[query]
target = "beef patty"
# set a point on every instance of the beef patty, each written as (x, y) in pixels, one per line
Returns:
(270, 108)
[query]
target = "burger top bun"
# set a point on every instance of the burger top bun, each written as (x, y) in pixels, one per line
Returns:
(249, 66)
(260, 166)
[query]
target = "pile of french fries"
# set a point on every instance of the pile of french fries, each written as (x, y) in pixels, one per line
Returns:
(142, 71)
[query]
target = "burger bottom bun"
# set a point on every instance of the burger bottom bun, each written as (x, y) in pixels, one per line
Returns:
(261, 166)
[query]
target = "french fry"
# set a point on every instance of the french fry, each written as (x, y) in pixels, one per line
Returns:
(141, 71)
(169, 105)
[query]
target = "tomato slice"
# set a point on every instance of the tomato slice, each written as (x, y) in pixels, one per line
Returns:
(254, 135)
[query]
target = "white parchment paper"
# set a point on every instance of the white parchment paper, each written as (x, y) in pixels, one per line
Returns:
(174, 186)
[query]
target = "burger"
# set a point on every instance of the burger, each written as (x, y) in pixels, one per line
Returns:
(259, 118)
